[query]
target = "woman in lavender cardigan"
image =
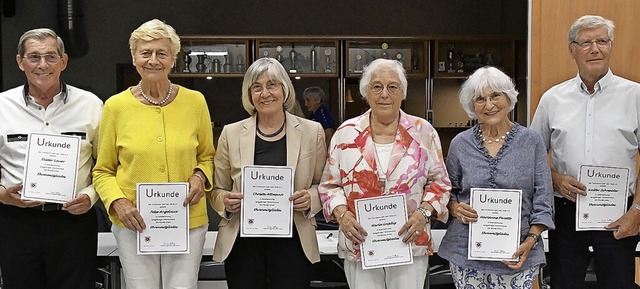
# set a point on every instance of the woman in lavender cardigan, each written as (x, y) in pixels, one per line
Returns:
(496, 154)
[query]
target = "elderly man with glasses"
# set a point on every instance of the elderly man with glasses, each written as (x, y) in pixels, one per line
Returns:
(592, 123)
(47, 245)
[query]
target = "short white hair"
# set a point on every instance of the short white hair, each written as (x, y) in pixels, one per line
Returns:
(483, 78)
(372, 67)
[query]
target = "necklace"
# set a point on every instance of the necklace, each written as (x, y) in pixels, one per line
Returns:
(153, 101)
(270, 134)
(382, 180)
(492, 140)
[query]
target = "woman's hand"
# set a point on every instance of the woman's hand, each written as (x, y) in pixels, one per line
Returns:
(232, 201)
(522, 253)
(128, 215)
(196, 190)
(349, 226)
(301, 200)
(463, 212)
(413, 227)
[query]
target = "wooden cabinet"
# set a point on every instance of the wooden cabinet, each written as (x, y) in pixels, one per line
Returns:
(436, 67)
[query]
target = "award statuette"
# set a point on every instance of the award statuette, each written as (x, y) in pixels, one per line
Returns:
(239, 64)
(187, 61)
(450, 58)
(385, 46)
(358, 63)
(312, 56)
(327, 60)
(201, 66)
(265, 54)
(292, 59)
(279, 56)
(226, 67)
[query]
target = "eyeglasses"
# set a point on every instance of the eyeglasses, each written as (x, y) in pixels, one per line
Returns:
(270, 86)
(392, 88)
(602, 43)
(481, 100)
(49, 58)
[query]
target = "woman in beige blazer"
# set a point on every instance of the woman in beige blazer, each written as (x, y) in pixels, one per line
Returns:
(271, 136)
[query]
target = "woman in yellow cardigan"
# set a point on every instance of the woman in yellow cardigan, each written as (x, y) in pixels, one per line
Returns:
(155, 132)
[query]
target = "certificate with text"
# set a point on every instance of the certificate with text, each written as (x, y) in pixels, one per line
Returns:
(382, 218)
(51, 168)
(606, 198)
(496, 234)
(265, 209)
(167, 230)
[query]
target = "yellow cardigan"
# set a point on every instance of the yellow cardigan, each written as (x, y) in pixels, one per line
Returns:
(139, 143)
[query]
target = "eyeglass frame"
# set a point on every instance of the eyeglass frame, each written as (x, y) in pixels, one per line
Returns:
(599, 42)
(387, 86)
(31, 58)
(494, 97)
(275, 86)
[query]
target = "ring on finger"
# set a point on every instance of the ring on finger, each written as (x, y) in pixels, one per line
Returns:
(416, 232)
(463, 219)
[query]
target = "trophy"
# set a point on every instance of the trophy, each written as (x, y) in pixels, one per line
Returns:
(226, 67)
(292, 59)
(384, 50)
(239, 64)
(265, 54)
(201, 66)
(312, 56)
(216, 66)
(358, 63)
(327, 60)
(187, 61)
(450, 58)
(279, 56)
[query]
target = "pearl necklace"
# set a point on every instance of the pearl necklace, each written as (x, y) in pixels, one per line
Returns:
(496, 140)
(153, 101)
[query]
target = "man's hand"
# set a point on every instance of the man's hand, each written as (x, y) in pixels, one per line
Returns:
(80, 205)
(626, 226)
(568, 186)
(11, 196)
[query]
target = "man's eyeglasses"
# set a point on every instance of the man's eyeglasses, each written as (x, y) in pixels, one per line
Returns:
(599, 42)
(392, 88)
(49, 58)
(481, 100)
(270, 87)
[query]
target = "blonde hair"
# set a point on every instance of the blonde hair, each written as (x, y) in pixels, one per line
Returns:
(153, 30)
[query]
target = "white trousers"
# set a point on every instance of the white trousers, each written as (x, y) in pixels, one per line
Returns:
(397, 277)
(147, 271)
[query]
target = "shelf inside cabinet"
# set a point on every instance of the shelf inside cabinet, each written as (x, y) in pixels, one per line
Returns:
(460, 58)
(410, 53)
(303, 58)
(208, 57)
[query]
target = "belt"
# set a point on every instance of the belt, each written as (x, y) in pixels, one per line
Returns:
(48, 207)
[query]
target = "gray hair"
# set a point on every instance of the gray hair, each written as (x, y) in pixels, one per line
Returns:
(154, 30)
(590, 22)
(487, 77)
(314, 92)
(40, 34)
(275, 71)
(372, 67)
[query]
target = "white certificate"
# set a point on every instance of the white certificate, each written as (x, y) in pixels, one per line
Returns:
(51, 168)
(606, 198)
(265, 209)
(382, 218)
(496, 234)
(160, 205)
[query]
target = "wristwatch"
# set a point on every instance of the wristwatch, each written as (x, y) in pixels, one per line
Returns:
(534, 236)
(426, 213)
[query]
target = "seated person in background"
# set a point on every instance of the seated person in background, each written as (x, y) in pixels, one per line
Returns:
(313, 102)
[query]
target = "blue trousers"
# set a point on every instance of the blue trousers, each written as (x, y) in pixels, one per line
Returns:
(569, 254)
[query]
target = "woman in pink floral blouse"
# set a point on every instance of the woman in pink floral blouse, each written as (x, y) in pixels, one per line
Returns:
(385, 152)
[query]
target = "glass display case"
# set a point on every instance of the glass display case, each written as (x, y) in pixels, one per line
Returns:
(303, 57)
(211, 57)
(460, 58)
(362, 52)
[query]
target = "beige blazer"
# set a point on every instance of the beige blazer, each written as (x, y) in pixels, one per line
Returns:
(306, 152)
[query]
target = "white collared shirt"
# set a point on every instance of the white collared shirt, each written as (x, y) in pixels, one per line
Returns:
(601, 129)
(73, 111)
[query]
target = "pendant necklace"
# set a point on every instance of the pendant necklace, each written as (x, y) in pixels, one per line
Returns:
(150, 100)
